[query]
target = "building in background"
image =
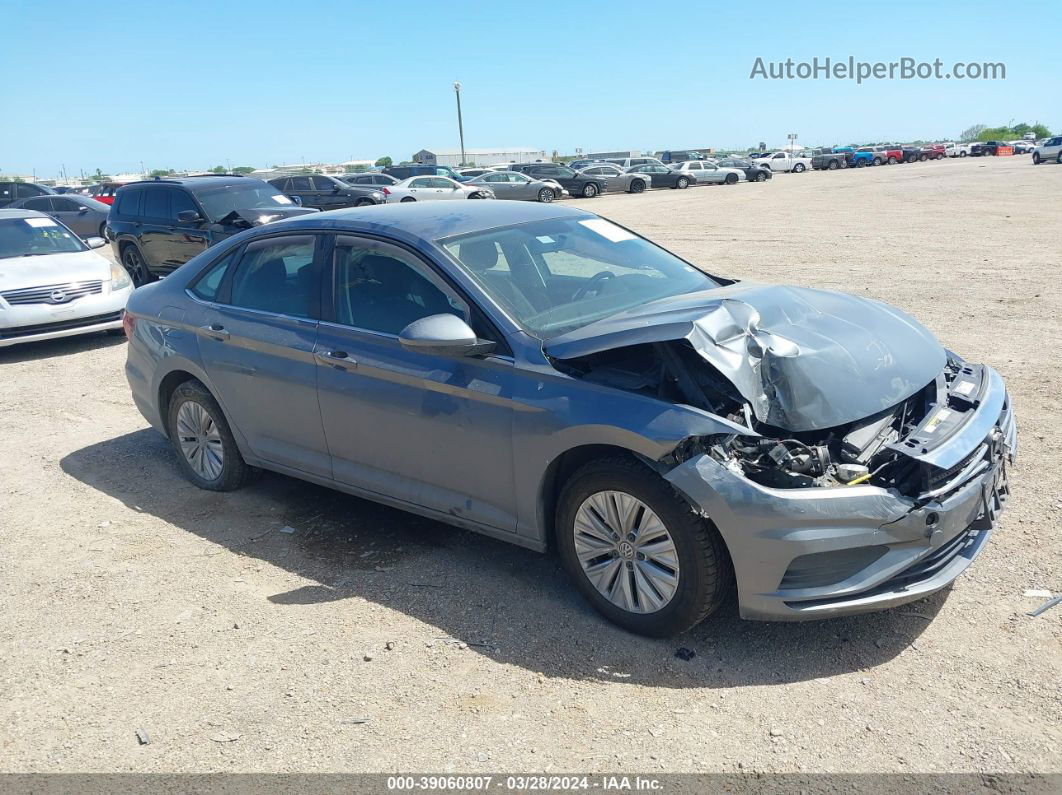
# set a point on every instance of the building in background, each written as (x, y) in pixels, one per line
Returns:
(612, 155)
(481, 157)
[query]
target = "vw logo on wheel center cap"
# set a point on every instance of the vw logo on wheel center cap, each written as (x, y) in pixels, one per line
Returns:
(626, 550)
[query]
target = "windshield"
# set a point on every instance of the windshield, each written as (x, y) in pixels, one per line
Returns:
(560, 274)
(32, 237)
(222, 200)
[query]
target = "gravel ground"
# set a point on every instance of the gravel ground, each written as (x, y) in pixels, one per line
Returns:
(372, 640)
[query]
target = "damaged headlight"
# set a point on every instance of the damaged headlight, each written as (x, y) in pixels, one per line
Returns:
(782, 463)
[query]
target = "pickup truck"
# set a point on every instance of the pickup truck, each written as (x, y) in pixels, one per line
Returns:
(784, 161)
(892, 154)
(831, 159)
(957, 150)
(911, 154)
(986, 148)
(932, 152)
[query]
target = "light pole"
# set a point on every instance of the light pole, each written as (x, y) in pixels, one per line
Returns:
(460, 125)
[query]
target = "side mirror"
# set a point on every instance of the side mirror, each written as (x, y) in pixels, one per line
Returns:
(443, 335)
(82, 210)
(188, 216)
(335, 189)
(296, 199)
(95, 242)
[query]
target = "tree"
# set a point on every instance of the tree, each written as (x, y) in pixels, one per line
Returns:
(218, 169)
(971, 133)
(162, 172)
(243, 169)
(384, 162)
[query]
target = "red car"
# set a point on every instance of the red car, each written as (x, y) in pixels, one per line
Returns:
(932, 152)
(104, 191)
(892, 154)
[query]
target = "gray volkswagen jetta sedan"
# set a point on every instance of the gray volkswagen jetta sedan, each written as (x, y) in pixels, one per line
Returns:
(544, 376)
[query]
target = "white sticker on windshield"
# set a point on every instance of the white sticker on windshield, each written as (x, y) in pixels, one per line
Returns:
(40, 222)
(545, 239)
(607, 230)
(282, 198)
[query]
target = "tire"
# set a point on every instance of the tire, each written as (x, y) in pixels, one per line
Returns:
(761, 177)
(1059, 159)
(844, 164)
(702, 565)
(546, 195)
(833, 166)
(637, 185)
(407, 199)
(731, 179)
(364, 203)
(682, 183)
(196, 417)
(103, 230)
(133, 262)
(798, 168)
(476, 196)
(962, 154)
(589, 190)
(861, 164)
(940, 157)
(877, 162)
(923, 158)
(891, 161)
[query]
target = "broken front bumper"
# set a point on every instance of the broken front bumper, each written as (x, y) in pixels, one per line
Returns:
(823, 552)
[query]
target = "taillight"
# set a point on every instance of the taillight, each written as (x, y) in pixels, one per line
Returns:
(385, 191)
(128, 325)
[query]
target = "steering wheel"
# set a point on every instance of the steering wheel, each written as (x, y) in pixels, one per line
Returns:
(595, 280)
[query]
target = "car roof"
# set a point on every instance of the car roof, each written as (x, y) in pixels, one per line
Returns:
(21, 214)
(430, 221)
(194, 182)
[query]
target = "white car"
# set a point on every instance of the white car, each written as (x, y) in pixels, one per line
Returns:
(952, 149)
(1049, 150)
(424, 188)
(52, 284)
(784, 161)
(705, 172)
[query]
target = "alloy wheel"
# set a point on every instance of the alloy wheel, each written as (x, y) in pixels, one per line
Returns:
(134, 263)
(626, 552)
(200, 440)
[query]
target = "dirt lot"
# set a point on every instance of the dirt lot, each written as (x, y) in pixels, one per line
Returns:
(131, 600)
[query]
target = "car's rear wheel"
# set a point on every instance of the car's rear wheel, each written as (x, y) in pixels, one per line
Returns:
(103, 230)
(731, 179)
(589, 190)
(962, 154)
(861, 164)
(546, 196)
(761, 176)
(892, 161)
(364, 203)
(798, 168)
(1059, 159)
(637, 185)
(682, 183)
(637, 551)
(133, 262)
(923, 158)
(833, 166)
(407, 199)
(206, 450)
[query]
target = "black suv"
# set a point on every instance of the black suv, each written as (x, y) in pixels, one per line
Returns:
(576, 183)
(13, 191)
(157, 225)
(327, 193)
(421, 170)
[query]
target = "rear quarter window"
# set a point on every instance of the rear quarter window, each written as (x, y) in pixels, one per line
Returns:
(128, 202)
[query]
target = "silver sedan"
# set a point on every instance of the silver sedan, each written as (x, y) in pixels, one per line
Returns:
(418, 189)
(618, 179)
(517, 186)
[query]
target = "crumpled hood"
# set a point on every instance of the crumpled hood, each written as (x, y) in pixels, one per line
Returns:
(804, 359)
(261, 215)
(76, 266)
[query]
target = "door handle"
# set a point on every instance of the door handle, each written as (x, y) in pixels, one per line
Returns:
(215, 331)
(338, 359)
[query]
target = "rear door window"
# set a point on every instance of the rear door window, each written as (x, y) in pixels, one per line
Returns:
(157, 204)
(277, 275)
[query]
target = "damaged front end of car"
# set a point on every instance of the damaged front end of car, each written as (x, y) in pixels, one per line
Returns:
(874, 463)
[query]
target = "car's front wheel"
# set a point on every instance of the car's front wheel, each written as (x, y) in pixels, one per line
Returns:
(761, 176)
(637, 551)
(798, 168)
(407, 199)
(546, 196)
(731, 179)
(683, 183)
(364, 203)
(200, 434)
(133, 262)
(589, 190)
(637, 185)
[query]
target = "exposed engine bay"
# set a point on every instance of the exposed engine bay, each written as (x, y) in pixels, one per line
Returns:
(878, 450)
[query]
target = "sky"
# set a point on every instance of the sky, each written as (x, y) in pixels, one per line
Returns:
(260, 82)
